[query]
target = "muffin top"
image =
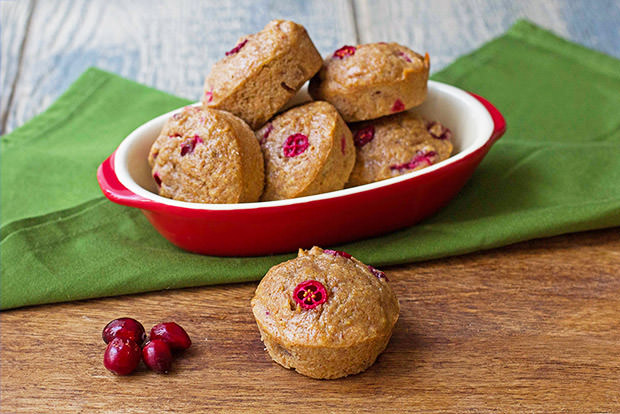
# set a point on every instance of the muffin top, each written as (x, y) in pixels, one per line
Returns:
(207, 156)
(370, 64)
(250, 55)
(397, 144)
(356, 305)
(297, 145)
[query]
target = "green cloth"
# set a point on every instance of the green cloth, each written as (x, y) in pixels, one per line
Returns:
(556, 170)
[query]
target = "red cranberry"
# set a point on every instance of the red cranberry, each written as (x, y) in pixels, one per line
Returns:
(172, 334)
(295, 144)
(398, 106)
(364, 136)
(157, 356)
(378, 273)
(124, 328)
(310, 294)
(237, 48)
(344, 51)
(122, 356)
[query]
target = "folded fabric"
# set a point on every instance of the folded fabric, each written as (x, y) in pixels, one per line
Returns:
(555, 171)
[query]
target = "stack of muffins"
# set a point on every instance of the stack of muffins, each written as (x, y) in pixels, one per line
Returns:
(236, 148)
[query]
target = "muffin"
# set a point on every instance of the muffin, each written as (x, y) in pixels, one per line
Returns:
(207, 156)
(307, 150)
(325, 313)
(262, 72)
(397, 144)
(369, 81)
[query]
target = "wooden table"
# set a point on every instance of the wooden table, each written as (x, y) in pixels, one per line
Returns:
(533, 327)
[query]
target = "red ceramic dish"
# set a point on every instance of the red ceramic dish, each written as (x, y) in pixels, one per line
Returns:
(325, 219)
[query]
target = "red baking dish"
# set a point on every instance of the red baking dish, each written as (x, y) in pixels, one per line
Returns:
(260, 228)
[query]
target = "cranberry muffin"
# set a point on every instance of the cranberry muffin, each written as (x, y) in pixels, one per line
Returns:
(307, 150)
(325, 313)
(203, 155)
(372, 80)
(262, 72)
(397, 144)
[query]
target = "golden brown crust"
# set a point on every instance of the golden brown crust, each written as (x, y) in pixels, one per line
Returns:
(340, 337)
(377, 79)
(326, 163)
(207, 156)
(266, 71)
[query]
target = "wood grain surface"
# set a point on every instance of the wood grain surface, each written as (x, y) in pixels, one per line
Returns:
(533, 327)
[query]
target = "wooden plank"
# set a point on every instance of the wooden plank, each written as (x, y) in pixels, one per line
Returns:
(449, 28)
(533, 327)
(14, 21)
(170, 44)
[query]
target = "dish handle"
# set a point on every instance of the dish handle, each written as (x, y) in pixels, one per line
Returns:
(499, 123)
(115, 191)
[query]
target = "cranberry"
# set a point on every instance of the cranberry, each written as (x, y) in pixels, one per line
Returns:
(268, 130)
(237, 48)
(337, 253)
(398, 106)
(125, 328)
(295, 144)
(378, 273)
(438, 131)
(364, 136)
(421, 157)
(343, 144)
(310, 294)
(157, 356)
(404, 56)
(344, 51)
(189, 144)
(157, 179)
(172, 334)
(122, 356)
(208, 96)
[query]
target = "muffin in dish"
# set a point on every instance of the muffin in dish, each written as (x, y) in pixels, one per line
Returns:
(325, 313)
(262, 72)
(307, 150)
(395, 145)
(207, 156)
(372, 80)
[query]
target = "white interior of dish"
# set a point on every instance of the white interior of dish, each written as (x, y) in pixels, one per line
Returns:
(469, 121)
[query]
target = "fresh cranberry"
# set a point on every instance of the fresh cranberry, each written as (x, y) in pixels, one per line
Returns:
(344, 51)
(295, 144)
(122, 356)
(157, 356)
(172, 334)
(237, 48)
(378, 273)
(310, 294)
(208, 96)
(364, 136)
(337, 253)
(343, 144)
(125, 328)
(398, 106)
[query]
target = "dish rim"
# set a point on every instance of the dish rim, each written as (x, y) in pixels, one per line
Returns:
(120, 161)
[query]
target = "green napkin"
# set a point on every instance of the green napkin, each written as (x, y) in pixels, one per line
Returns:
(555, 171)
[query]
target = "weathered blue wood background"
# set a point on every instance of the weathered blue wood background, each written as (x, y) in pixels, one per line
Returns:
(171, 44)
